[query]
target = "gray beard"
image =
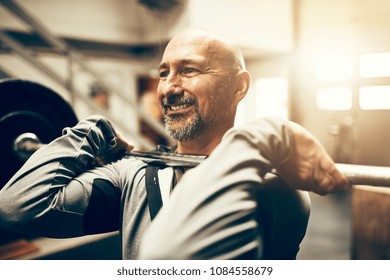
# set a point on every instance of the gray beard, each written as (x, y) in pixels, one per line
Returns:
(186, 132)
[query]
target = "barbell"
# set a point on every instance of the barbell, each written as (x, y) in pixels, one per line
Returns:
(32, 114)
(28, 107)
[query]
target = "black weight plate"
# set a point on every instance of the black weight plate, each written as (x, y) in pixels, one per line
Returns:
(28, 106)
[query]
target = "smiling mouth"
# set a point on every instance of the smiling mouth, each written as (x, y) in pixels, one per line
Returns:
(175, 108)
(178, 104)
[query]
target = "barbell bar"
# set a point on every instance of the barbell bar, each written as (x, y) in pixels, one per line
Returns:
(356, 174)
(28, 143)
(33, 114)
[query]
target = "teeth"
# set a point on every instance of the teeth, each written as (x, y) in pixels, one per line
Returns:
(179, 107)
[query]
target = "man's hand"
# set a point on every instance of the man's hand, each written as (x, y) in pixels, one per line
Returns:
(120, 146)
(310, 167)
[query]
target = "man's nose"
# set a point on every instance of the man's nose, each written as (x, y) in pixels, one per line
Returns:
(172, 85)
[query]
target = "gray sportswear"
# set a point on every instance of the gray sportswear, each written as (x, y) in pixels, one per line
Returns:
(219, 210)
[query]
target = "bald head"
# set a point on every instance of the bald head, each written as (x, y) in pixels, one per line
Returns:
(219, 48)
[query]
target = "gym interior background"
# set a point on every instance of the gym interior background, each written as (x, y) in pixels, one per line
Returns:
(322, 63)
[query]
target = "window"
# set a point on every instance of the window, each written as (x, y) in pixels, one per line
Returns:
(374, 98)
(375, 65)
(335, 74)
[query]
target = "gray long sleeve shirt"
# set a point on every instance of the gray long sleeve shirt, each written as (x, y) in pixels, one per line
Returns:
(58, 193)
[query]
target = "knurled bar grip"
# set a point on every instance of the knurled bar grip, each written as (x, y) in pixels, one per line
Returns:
(366, 174)
(356, 174)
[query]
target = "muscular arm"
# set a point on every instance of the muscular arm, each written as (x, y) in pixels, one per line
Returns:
(58, 193)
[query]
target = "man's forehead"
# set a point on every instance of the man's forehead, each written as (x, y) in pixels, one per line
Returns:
(187, 50)
(176, 58)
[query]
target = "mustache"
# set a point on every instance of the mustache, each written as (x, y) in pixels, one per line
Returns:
(178, 100)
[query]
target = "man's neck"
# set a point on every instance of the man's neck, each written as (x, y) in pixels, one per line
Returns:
(203, 146)
(207, 141)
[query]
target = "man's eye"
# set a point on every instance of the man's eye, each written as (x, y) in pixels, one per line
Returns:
(163, 74)
(189, 70)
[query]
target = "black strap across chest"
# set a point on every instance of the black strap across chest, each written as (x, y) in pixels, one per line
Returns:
(153, 191)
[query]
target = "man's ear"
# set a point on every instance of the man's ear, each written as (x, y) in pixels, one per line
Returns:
(243, 82)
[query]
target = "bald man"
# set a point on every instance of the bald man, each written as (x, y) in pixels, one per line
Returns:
(222, 209)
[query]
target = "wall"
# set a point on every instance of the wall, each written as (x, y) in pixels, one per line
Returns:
(351, 27)
(119, 21)
(259, 26)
